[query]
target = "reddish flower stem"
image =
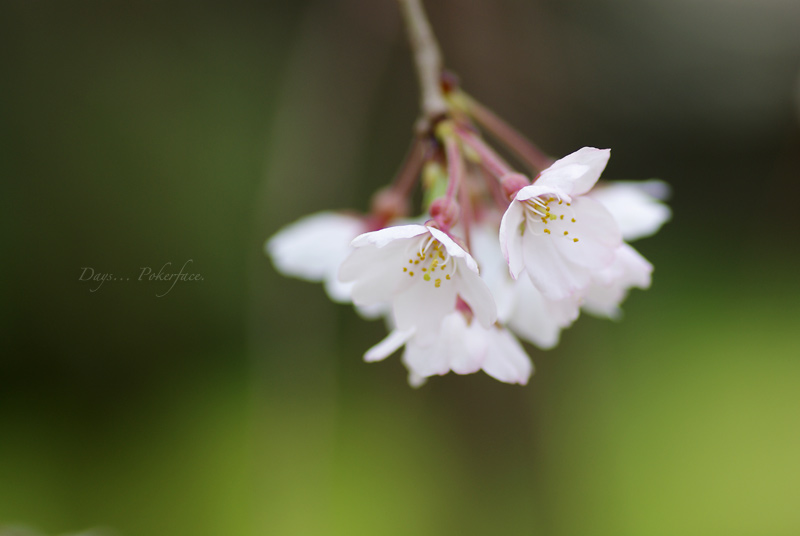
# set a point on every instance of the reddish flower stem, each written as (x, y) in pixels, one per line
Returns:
(455, 167)
(466, 213)
(410, 170)
(489, 159)
(494, 187)
(508, 135)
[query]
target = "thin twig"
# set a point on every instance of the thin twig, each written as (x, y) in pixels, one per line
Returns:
(427, 58)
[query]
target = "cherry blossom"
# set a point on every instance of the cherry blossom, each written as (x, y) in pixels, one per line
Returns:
(420, 271)
(556, 234)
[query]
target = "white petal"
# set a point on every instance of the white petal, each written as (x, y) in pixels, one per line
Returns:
(377, 274)
(374, 311)
(597, 233)
(539, 320)
(538, 189)
(511, 238)
(426, 359)
(506, 360)
(313, 246)
(576, 173)
(611, 286)
(635, 206)
(337, 291)
(467, 344)
(388, 345)
(474, 291)
(494, 269)
(388, 235)
(423, 306)
(554, 276)
(415, 380)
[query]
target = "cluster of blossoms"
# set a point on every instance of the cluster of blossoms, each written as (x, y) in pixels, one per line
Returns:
(498, 256)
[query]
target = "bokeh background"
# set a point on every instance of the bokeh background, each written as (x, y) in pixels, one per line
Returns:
(140, 133)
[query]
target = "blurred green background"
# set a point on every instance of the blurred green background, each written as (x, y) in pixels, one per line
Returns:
(140, 133)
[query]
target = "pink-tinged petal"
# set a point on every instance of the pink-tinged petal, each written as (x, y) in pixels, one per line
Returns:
(539, 320)
(576, 173)
(388, 235)
(635, 206)
(511, 238)
(550, 273)
(506, 360)
(424, 306)
(453, 249)
(388, 345)
(597, 235)
(313, 246)
(474, 291)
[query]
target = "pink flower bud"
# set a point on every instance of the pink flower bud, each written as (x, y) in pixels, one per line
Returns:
(445, 212)
(388, 205)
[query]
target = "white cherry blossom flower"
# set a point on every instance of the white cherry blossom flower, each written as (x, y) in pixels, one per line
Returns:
(555, 233)
(421, 272)
(463, 346)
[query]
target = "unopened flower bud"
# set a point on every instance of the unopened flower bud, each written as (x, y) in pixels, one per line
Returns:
(388, 204)
(445, 212)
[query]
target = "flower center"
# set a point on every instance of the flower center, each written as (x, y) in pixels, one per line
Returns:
(549, 216)
(431, 261)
